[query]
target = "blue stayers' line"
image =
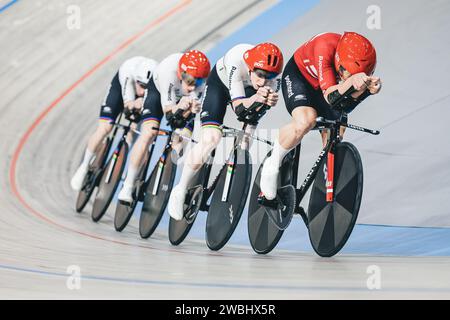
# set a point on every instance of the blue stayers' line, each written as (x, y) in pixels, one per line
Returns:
(224, 285)
(6, 6)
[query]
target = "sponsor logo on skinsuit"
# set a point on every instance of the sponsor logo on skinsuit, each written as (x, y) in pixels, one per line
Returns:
(204, 114)
(288, 81)
(233, 69)
(300, 97)
(107, 110)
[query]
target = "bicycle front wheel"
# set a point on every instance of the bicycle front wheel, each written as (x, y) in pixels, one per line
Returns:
(109, 181)
(331, 223)
(91, 177)
(178, 230)
(124, 211)
(157, 194)
(228, 200)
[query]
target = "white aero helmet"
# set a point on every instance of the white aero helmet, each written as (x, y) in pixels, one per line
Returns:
(144, 71)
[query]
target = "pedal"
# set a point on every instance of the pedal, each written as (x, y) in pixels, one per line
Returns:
(125, 203)
(193, 202)
(282, 215)
(272, 204)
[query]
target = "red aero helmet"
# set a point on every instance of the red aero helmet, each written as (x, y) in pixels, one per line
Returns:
(356, 54)
(265, 56)
(194, 63)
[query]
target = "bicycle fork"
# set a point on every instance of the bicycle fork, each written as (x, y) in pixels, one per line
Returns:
(113, 164)
(161, 165)
(330, 176)
(228, 178)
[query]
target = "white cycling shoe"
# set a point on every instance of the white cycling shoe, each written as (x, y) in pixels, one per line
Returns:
(126, 194)
(269, 179)
(77, 180)
(176, 203)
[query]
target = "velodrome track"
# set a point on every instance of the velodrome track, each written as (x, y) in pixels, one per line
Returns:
(53, 80)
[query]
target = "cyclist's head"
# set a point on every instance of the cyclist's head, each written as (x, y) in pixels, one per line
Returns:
(354, 54)
(142, 75)
(265, 60)
(193, 68)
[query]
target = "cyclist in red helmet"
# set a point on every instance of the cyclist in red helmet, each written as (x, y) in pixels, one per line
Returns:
(177, 83)
(246, 75)
(320, 71)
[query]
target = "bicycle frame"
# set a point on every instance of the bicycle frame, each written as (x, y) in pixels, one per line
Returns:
(333, 140)
(115, 154)
(239, 136)
(162, 160)
(161, 163)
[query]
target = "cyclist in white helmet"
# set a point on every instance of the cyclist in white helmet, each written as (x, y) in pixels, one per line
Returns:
(127, 90)
(177, 83)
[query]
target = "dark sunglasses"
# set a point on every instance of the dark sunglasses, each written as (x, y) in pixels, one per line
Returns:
(192, 81)
(265, 74)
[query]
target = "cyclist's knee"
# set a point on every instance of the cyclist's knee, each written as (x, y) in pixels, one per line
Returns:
(304, 121)
(148, 132)
(211, 137)
(104, 128)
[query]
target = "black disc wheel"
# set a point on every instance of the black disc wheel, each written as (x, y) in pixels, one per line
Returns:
(90, 180)
(263, 233)
(331, 223)
(229, 199)
(109, 181)
(178, 230)
(157, 194)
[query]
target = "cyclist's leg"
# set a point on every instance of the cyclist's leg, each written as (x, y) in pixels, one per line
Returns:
(213, 112)
(178, 143)
(323, 109)
(111, 108)
(131, 135)
(299, 99)
(151, 118)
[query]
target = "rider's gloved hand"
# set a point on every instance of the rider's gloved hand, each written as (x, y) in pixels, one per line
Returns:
(131, 112)
(264, 93)
(360, 81)
(195, 105)
(272, 98)
(261, 95)
(183, 104)
(374, 85)
(176, 120)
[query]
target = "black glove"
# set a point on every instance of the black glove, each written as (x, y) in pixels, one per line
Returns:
(251, 115)
(176, 120)
(132, 115)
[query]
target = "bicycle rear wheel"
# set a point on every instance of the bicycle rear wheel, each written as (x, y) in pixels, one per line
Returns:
(157, 194)
(178, 230)
(331, 223)
(109, 181)
(264, 235)
(91, 177)
(226, 207)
